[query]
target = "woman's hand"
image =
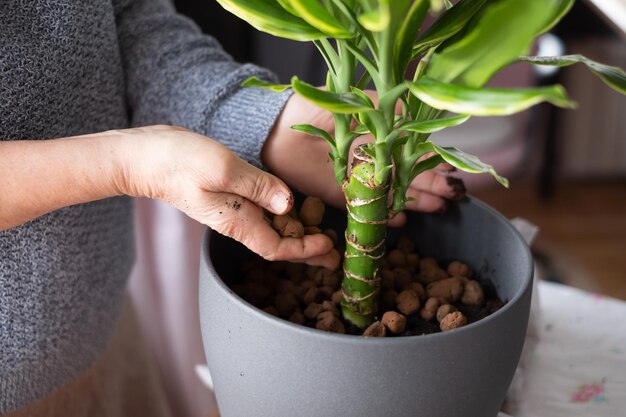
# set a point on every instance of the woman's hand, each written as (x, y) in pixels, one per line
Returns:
(302, 162)
(212, 185)
(192, 172)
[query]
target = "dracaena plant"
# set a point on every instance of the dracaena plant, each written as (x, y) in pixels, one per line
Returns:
(425, 80)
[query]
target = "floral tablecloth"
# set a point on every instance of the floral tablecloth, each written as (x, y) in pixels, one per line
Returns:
(574, 363)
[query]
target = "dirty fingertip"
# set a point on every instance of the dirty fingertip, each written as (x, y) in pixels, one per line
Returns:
(281, 202)
(398, 220)
(457, 188)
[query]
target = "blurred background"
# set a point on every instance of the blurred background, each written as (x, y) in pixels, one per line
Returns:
(567, 170)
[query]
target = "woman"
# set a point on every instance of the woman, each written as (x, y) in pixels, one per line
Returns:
(68, 69)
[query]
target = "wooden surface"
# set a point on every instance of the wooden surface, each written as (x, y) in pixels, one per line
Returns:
(582, 238)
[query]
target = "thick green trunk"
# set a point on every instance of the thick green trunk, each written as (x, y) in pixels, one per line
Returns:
(365, 241)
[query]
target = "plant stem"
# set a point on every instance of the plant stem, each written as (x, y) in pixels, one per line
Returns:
(365, 240)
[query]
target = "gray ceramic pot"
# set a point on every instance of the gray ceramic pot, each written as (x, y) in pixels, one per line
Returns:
(262, 366)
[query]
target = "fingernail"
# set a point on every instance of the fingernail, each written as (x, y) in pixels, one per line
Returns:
(280, 202)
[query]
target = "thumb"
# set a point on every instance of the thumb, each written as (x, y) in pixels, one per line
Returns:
(260, 187)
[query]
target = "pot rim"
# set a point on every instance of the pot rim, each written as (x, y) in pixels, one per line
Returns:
(337, 337)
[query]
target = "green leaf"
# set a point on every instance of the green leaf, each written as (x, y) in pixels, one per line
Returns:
(361, 130)
(364, 80)
(285, 4)
(315, 14)
(369, 151)
(504, 31)
(256, 82)
(426, 165)
(406, 36)
(363, 95)
(447, 25)
(614, 77)
(389, 99)
(448, 4)
(268, 16)
(378, 18)
(346, 103)
(432, 126)
(467, 162)
(315, 131)
(366, 119)
(370, 67)
(557, 11)
(329, 54)
(486, 101)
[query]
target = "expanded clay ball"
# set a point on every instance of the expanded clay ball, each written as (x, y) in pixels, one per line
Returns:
(473, 294)
(419, 289)
(312, 311)
(430, 271)
(329, 306)
(413, 261)
(459, 269)
(326, 292)
(312, 211)
(337, 296)
(431, 306)
(444, 310)
(296, 271)
(311, 295)
(286, 304)
(453, 320)
(402, 278)
(428, 263)
(287, 226)
(449, 289)
(408, 302)
(328, 322)
(395, 322)
(309, 283)
(312, 230)
(375, 329)
(325, 276)
(396, 258)
(297, 317)
(284, 286)
(299, 292)
(405, 245)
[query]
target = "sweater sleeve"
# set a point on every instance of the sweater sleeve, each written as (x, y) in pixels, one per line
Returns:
(176, 75)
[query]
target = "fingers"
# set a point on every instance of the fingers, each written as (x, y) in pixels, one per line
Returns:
(431, 190)
(242, 220)
(445, 167)
(398, 220)
(331, 260)
(435, 183)
(257, 186)
(425, 202)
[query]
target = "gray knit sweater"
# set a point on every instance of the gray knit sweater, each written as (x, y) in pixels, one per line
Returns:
(72, 67)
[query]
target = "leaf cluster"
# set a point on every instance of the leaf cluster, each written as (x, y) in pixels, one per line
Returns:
(426, 78)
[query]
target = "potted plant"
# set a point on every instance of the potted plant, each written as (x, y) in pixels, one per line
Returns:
(265, 366)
